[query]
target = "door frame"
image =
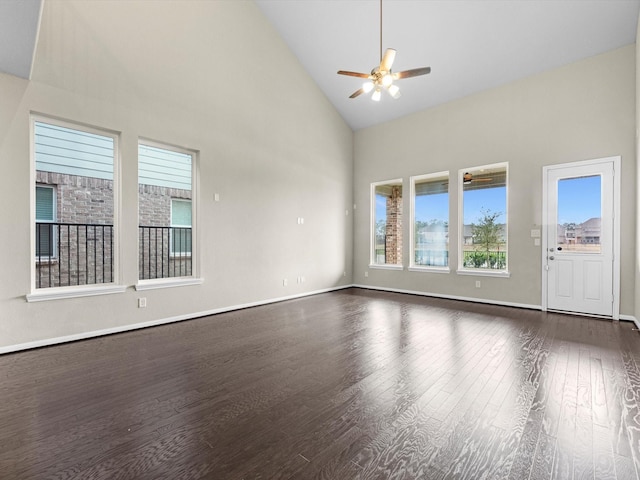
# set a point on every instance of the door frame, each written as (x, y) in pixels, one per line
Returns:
(616, 226)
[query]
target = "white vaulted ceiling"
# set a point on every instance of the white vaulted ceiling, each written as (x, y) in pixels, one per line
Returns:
(471, 45)
(19, 21)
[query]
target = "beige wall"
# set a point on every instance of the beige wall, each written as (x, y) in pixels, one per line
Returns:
(582, 111)
(220, 81)
(637, 259)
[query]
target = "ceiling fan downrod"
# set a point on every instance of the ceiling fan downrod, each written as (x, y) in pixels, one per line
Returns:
(381, 77)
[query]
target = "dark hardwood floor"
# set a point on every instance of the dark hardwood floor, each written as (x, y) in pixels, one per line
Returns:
(354, 384)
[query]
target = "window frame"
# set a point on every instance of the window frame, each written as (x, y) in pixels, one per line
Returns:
(372, 231)
(194, 278)
(73, 291)
(437, 176)
(485, 272)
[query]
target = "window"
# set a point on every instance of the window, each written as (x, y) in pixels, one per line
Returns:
(386, 225)
(45, 216)
(483, 229)
(430, 221)
(165, 211)
(74, 204)
(579, 233)
(180, 227)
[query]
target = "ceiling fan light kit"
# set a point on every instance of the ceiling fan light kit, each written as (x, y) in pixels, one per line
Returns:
(381, 77)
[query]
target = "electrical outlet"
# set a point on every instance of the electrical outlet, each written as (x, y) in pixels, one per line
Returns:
(142, 302)
(366, 274)
(284, 282)
(477, 283)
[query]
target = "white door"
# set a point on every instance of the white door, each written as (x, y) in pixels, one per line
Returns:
(578, 234)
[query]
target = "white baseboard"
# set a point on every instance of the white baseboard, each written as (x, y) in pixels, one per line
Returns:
(153, 323)
(631, 318)
(452, 297)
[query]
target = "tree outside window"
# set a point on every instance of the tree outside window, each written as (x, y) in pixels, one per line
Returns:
(484, 218)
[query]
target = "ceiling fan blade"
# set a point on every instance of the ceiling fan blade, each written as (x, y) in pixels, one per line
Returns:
(411, 73)
(353, 74)
(387, 59)
(356, 93)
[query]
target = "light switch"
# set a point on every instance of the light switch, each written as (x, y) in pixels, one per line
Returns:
(535, 233)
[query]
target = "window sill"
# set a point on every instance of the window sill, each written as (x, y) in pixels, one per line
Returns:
(46, 261)
(386, 267)
(167, 283)
(417, 268)
(484, 273)
(59, 293)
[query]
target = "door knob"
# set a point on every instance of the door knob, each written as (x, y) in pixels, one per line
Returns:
(551, 257)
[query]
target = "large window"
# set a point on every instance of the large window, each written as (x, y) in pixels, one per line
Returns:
(386, 231)
(165, 202)
(74, 240)
(483, 229)
(430, 221)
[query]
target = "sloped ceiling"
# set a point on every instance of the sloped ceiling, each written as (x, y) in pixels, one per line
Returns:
(471, 45)
(18, 32)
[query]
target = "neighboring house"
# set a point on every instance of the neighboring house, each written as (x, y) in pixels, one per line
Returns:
(584, 233)
(590, 231)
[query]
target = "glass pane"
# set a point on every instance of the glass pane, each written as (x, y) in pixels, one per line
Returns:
(431, 216)
(180, 213)
(387, 229)
(44, 204)
(74, 172)
(484, 229)
(44, 240)
(165, 183)
(579, 214)
(181, 240)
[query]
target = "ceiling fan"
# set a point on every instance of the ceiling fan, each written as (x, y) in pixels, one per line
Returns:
(467, 178)
(381, 77)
